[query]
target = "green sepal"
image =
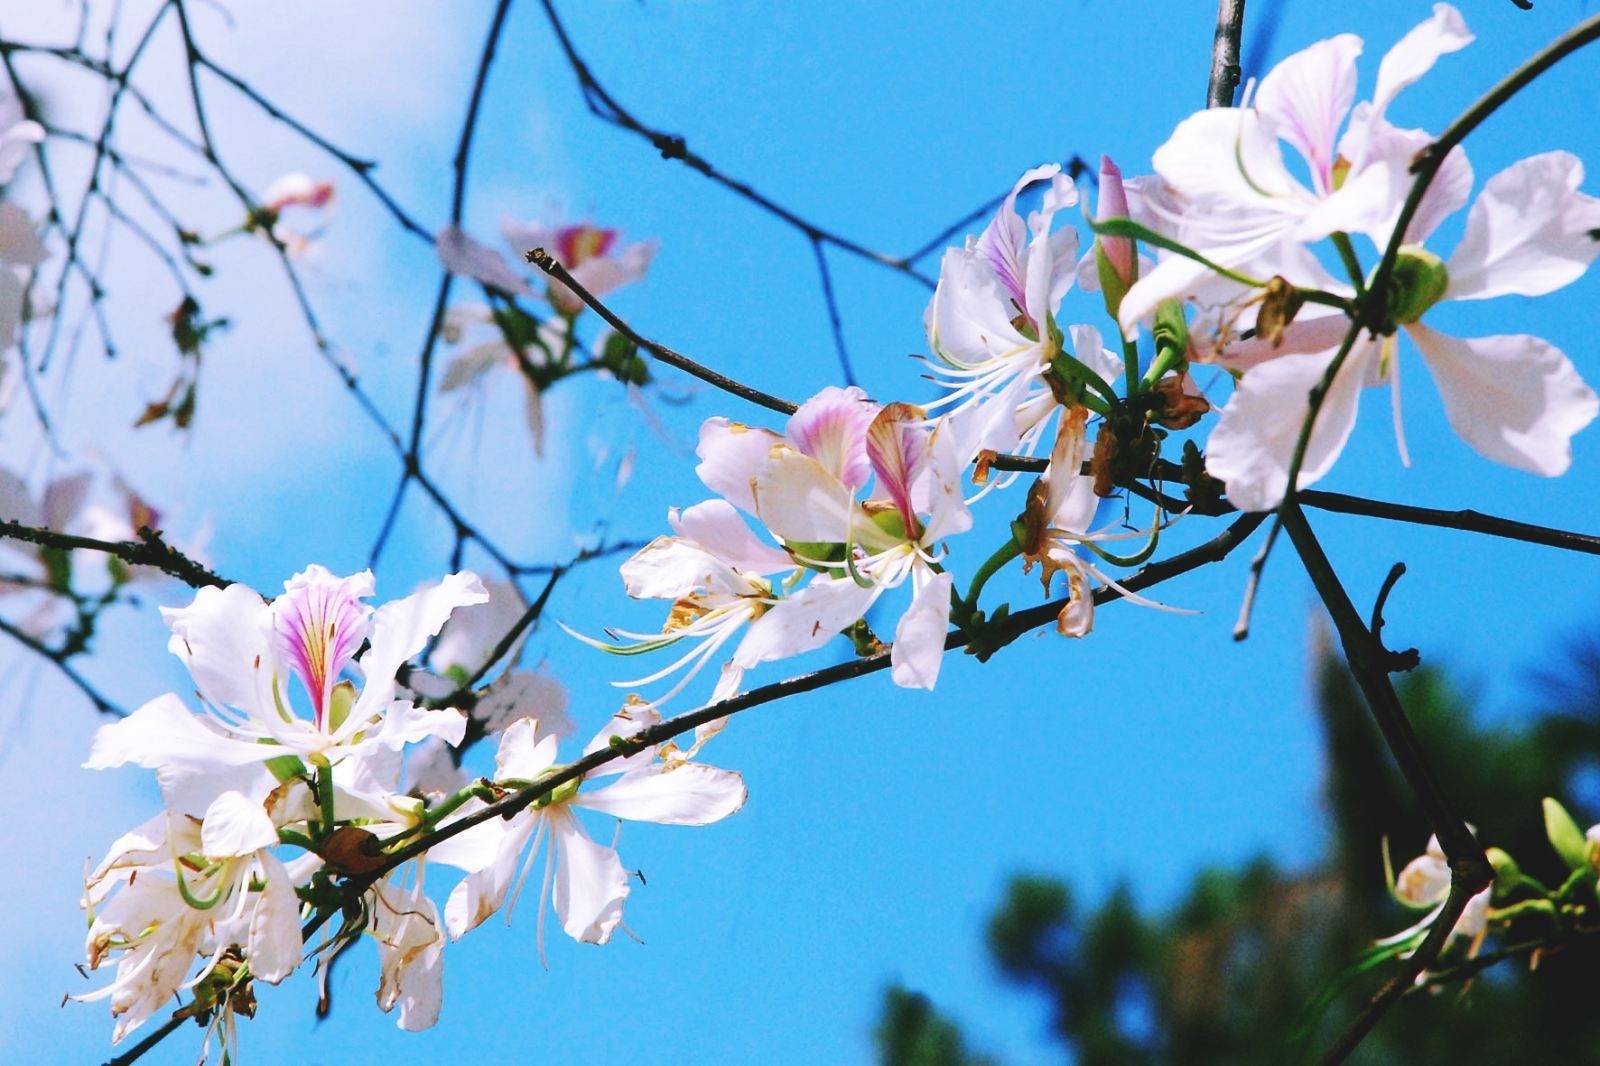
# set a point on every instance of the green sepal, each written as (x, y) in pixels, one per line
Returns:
(286, 767)
(816, 553)
(1111, 284)
(1418, 281)
(891, 522)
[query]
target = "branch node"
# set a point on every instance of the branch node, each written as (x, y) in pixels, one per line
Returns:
(1393, 662)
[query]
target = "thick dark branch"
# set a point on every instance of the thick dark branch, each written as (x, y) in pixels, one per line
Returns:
(1470, 871)
(547, 263)
(148, 550)
(1405, 978)
(1469, 520)
(1225, 54)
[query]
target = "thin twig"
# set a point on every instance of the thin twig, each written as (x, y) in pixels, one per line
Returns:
(547, 263)
(38, 647)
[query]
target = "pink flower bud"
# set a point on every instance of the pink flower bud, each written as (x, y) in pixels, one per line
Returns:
(296, 190)
(1113, 203)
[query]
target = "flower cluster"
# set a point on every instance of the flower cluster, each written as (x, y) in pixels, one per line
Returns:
(1515, 903)
(857, 497)
(289, 800)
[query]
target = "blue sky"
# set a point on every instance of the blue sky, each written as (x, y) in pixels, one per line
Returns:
(882, 824)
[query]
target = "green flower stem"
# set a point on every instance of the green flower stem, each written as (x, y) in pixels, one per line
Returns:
(1525, 907)
(1352, 265)
(324, 784)
(991, 566)
(296, 840)
(450, 804)
(1130, 363)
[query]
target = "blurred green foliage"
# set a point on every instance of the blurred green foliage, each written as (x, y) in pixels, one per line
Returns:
(1227, 975)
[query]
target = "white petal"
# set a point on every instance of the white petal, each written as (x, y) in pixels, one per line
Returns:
(275, 946)
(801, 501)
(1229, 157)
(462, 255)
(16, 502)
(1253, 444)
(1516, 399)
(805, 620)
(524, 754)
(717, 527)
(731, 456)
(1306, 98)
(1529, 232)
(483, 892)
(225, 639)
(1415, 53)
(671, 794)
(235, 826)
(919, 638)
(403, 628)
(590, 884)
(410, 955)
(405, 723)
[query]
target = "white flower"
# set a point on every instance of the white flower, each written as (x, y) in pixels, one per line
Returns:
(1240, 206)
(1516, 399)
(181, 888)
(585, 880)
(1425, 884)
(991, 323)
(241, 651)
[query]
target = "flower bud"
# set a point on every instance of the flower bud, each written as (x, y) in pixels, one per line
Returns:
(1418, 282)
(1113, 203)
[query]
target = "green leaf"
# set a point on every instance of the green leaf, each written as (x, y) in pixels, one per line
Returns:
(1127, 227)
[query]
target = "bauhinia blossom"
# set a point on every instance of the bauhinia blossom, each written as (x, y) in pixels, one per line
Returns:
(805, 488)
(1515, 398)
(719, 579)
(992, 328)
(242, 652)
(594, 256)
(1238, 203)
(180, 887)
(586, 880)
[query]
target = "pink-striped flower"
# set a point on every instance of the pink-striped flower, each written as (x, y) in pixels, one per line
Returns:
(242, 651)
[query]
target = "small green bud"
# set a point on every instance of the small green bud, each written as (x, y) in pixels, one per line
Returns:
(1170, 329)
(560, 794)
(1418, 282)
(1565, 836)
(1506, 870)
